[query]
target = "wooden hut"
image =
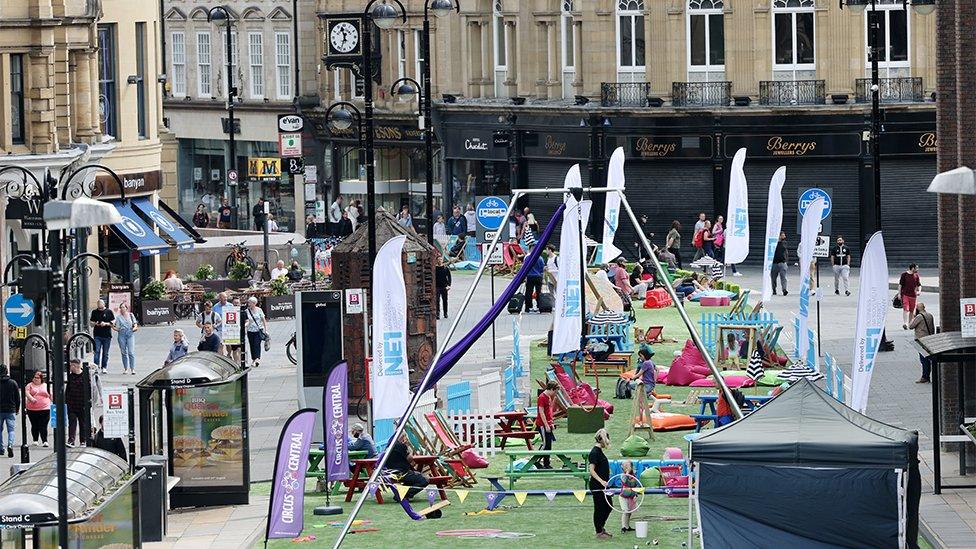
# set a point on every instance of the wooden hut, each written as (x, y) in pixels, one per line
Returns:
(352, 268)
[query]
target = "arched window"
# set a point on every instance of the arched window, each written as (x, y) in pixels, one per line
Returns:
(893, 33)
(706, 40)
(567, 47)
(630, 40)
(793, 39)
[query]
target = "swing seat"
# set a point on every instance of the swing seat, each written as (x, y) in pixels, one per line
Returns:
(434, 511)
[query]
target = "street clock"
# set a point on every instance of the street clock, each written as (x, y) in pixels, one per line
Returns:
(343, 36)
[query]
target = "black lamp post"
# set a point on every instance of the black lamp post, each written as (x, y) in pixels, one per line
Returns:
(340, 117)
(875, 48)
(218, 13)
(408, 87)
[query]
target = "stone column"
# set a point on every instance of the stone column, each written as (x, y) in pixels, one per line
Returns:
(476, 70)
(487, 60)
(553, 61)
(578, 56)
(511, 58)
(43, 134)
(85, 118)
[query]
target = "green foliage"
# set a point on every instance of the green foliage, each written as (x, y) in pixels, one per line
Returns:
(209, 295)
(278, 287)
(240, 271)
(206, 272)
(153, 290)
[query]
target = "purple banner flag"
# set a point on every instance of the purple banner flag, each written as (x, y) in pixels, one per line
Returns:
(286, 516)
(336, 421)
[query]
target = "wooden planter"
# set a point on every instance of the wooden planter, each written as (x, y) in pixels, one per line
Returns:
(156, 312)
(282, 306)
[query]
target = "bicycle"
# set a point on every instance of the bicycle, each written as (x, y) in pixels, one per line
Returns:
(291, 348)
(239, 254)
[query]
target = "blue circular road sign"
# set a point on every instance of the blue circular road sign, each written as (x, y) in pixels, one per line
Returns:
(491, 212)
(811, 195)
(18, 310)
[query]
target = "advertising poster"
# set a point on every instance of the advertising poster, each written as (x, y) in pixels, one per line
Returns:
(208, 444)
(119, 294)
(230, 333)
(115, 412)
(111, 528)
(967, 316)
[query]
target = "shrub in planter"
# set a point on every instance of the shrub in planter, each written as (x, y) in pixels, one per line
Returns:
(153, 291)
(240, 271)
(206, 272)
(278, 287)
(209, 295)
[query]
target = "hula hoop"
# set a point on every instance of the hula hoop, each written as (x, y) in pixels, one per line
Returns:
(608, 493)
(476, 532)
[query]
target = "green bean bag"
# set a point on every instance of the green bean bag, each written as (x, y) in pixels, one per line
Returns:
(650, 477)
(634, 446)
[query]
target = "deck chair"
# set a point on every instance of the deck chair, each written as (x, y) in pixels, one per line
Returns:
(653, 334)
(447, 442)
(460, 473)
(577, 393)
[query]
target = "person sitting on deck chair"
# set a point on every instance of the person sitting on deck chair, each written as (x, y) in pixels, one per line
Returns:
(400, 465)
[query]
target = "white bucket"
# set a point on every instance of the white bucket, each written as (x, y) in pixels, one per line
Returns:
(641, 527)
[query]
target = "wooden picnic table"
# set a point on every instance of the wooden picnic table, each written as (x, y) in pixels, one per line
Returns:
(569, 466)
(511, 424)
(317, 456)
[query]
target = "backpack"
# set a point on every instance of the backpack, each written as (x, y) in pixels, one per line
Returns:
(699, 240)
(623, 389)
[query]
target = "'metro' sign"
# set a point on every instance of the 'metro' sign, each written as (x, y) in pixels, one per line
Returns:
(261, 168)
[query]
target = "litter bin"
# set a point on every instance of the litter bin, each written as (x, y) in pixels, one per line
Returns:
(153, 497)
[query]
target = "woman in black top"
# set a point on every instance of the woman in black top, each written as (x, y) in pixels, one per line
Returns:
(599, 478)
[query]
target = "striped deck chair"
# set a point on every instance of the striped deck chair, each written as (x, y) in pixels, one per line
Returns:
(461, 474)
(447, 442)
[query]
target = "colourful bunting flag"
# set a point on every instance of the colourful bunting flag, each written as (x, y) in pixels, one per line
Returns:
(580, 495)
(490, 498)
(550, 496)
(520, 497)
(461, 494)
(402, 490)
(431, 495)
(639, 489)
(372, 489)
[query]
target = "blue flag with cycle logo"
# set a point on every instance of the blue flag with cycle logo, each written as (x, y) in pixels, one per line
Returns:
(390, 373)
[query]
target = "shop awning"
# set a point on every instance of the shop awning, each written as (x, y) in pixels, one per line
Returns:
(31, 497)
(190, 229)
(183, 241)
(134, 231)
(195, 369)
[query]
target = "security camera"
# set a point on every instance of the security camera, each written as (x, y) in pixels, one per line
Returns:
(162, 79)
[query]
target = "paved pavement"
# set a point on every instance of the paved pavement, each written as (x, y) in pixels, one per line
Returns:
(894, 399)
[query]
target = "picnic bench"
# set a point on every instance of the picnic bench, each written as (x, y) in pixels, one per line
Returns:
(572, 463)
(616, 363)
(317, 456)
(708, 410)
(362, 469)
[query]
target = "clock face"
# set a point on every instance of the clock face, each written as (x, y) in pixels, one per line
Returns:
(344, 37)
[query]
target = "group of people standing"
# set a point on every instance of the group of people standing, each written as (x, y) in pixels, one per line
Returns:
(343, 219)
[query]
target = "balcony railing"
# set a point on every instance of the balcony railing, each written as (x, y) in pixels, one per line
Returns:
(624, 94)
(792, 92)
(701, 94)
(891, 90)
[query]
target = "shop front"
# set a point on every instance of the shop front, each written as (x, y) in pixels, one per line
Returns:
(400, 167)
(908, 164)
(546, 156)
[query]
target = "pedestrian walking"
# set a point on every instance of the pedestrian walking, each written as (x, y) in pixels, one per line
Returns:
(74, 399)
(38, 402)
(127, 325)
(404, 219)
(470, 220)
(257, 330)
(210, 341)
(696, 239)
(781, 258)
(102, 319)
(718, 230)
(909, 287)
(552, 268)
(440, 228)
(673, 242)
(9, 406)
(201, 217)
(708, 240)
(179, 347)
(257, 213)
(224, 215)
(924, 325)
(840, 261)
(543, 420)
(457, 224)
(599, 468)
(533, 284)
(210, 314)
(442, 281)
(345, 226)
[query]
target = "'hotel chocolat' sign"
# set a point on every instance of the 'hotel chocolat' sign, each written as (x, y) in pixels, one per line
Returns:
(795, 146)
(653, 147)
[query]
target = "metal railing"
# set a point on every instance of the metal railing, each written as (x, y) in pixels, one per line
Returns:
(624, 94)
(701, 94)
(891, 90)
(792, 92)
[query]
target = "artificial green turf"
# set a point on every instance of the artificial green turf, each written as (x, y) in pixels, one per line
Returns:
(563, 523)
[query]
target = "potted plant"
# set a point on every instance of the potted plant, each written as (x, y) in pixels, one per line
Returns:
(205, 272)
(154, 307)
(280, 303)
(240, 271)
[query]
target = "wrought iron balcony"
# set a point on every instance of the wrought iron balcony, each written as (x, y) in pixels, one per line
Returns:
(701, 94)
(792, 92)
(891, 90)
(624, 94)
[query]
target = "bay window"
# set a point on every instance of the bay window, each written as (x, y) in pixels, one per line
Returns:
(793, 40)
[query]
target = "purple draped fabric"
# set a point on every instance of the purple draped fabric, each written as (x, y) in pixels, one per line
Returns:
(454, 354)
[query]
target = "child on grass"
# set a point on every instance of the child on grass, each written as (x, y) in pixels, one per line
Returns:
(628, 496)
(732, 350)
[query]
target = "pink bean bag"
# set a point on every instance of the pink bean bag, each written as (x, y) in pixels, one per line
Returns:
(672, 453)
(662, 375)
(713, 301)
(732, 381)
(704, 382)
(688, 367)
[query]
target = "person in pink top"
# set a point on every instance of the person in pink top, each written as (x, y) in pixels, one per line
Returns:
(38, 407)
(621, 279)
